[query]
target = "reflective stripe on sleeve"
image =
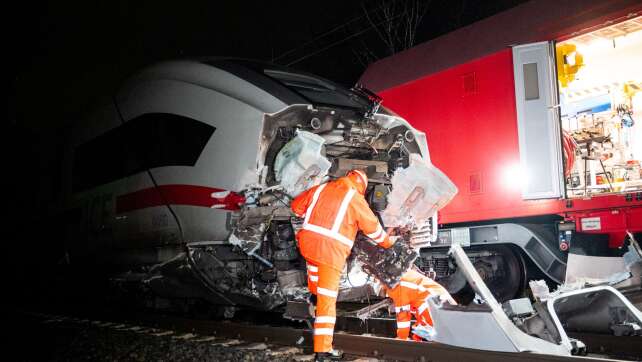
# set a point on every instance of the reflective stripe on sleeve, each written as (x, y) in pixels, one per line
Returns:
(323, 331)
(402, 308)
(314, 278)
(325, 319)
(380, 239)
(403, 324)
(422, 308)
(375, 234)
(313, 268)
(327, 292)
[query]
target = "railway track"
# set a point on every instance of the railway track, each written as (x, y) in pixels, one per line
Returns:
(353, 345)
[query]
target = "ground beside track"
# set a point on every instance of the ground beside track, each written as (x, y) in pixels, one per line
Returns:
(61, 338)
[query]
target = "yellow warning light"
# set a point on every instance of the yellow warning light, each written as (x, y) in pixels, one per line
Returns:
(630, 89)
(569, 61)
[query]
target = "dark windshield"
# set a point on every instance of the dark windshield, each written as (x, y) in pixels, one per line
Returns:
(318, 90)
(292, 86)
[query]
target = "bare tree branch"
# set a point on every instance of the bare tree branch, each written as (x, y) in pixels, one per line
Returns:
(395, 22)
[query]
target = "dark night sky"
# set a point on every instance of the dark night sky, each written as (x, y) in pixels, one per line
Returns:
(68, 53)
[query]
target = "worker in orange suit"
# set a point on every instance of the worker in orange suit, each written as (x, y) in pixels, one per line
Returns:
(410, 297)
(333, 214)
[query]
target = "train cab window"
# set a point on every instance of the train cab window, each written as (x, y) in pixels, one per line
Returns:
(316, 89)
(147, 141)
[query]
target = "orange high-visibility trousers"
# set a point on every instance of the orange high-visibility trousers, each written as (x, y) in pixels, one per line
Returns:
(405, 309)
(323, 282)
(410, 297)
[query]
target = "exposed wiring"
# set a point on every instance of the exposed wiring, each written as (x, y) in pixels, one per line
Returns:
(151, 176)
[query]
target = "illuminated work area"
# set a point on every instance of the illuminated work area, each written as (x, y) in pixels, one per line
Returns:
(600, 85)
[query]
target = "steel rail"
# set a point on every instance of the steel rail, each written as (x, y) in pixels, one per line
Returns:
(358, 345)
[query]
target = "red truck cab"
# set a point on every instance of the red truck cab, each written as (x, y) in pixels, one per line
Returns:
(536, 115)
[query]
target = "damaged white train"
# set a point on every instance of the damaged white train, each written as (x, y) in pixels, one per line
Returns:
(181, 184)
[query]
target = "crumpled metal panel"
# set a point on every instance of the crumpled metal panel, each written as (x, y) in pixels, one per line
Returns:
(599, 309)
(493, 330)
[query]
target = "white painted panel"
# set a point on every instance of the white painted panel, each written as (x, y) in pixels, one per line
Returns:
(538, 121)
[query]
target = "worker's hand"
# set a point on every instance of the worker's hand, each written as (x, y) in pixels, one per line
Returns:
(391, 231)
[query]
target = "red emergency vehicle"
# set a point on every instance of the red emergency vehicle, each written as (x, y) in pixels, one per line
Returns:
(536, 115)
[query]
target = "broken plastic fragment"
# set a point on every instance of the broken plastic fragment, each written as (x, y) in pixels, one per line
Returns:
(539, 289)
(418, 191)
(299, 165)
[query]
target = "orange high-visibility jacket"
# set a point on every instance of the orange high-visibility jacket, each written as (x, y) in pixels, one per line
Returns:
(334, 212)
(413, 289)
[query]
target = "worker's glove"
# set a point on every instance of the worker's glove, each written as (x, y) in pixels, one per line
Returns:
(426, 332)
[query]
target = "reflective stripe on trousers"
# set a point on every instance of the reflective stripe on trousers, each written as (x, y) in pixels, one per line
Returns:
(326, 289)
(403, 324)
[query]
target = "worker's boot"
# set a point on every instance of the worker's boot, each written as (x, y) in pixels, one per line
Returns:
(333, 355)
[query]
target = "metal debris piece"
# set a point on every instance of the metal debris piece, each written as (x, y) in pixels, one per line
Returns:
(366, 312)
(387, 265)
(493, 329)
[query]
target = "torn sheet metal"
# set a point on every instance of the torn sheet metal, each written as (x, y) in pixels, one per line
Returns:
(493, 329)
(592, 268)
(300, 165)
(249, 239)
(624, 272)
(418, 191)
(600, 309)
(214, 275)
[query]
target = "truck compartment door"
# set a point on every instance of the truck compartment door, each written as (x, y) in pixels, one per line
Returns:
(538, 120)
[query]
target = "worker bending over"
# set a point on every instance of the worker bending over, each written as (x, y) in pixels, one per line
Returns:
(410, 297)
(333, 213)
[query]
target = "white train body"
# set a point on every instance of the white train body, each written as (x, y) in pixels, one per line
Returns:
(185, 148)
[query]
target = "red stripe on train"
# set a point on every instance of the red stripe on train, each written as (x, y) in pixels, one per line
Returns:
(179, 195)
